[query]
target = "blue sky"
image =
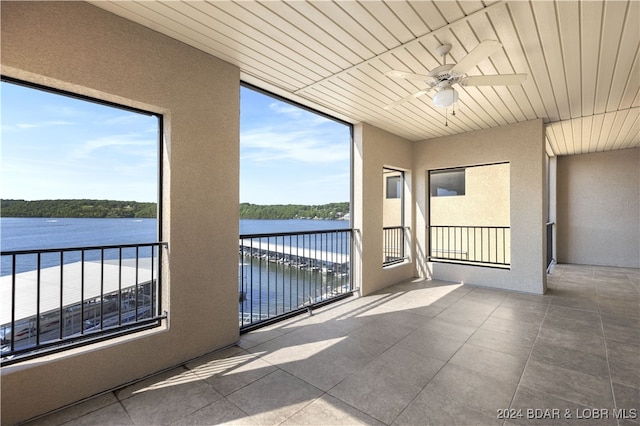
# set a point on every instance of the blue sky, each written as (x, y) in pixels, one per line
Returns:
(55, 147)
(289, 155)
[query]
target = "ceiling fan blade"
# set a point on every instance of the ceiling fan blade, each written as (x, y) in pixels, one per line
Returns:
(494, 80)
(407, 75)
(407, 99)
(480, 52)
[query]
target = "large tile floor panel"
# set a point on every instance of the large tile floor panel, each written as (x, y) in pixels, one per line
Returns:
(417, 353)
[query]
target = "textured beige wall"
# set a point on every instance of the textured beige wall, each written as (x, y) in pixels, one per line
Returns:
(598, 208)
(485, 203)
(373, 150)
(78, 47)
(522, 146)
(392, 207)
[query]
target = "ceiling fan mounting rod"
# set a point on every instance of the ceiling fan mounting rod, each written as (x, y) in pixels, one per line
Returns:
(442, 50)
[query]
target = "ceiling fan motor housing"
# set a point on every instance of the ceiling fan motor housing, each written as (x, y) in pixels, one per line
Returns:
(443, 77)
(441, 71)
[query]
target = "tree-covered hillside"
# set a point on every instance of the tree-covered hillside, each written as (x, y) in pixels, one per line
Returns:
(134, 209)
(77, 208)
(293, 211)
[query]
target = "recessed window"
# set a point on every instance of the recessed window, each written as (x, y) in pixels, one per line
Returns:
(394, 186)
(80, 226)
(469, 215)
(393, 217)
(447, 183)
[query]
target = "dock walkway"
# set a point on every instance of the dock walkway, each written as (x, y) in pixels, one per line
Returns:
(293, 254)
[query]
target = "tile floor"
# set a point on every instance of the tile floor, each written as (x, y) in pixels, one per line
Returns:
(417, 353)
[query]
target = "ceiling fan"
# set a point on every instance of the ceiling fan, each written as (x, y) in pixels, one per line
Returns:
(442, 78)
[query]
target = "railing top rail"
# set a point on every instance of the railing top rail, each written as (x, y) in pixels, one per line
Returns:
(286, 234)
(64, 249)
(468, 226)
(394, 227)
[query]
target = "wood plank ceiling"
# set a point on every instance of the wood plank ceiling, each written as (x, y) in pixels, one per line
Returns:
(581, 57)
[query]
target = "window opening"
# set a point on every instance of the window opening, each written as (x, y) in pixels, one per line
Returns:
(394, 187)
(447, 183)
(393, 250)
(469, 215)
(295, 193)
(81, 225)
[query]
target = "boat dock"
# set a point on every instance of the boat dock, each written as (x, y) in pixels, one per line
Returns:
(295, 256)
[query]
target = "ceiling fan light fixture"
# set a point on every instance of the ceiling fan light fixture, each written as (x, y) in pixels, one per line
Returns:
(445, 97)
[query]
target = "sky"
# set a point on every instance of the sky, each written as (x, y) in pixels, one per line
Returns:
(289, 155)
(57, 147)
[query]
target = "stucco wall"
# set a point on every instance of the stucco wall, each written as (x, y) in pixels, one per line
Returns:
(83, 49)
(373, 150)
(522, 146)
(392, 207)
(598, 208)
(485, 203)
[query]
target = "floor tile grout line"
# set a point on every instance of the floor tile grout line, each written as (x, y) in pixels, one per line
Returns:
(363, 366)
(524, 369)
(324, 393)
(447, 361)
(603, 339)
(343, 379)
(427, 319)
(124, 409)
(606, 353)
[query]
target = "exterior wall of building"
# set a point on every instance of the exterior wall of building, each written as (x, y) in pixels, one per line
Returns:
(375, 149)
(80, 48)
(392, 207)
(522, 146)
(485, 203)
(598, 208)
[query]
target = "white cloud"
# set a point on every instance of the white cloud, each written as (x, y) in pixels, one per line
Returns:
(127, 120)
(283, 108)
(302, 117)
(44, 124)
(87, 148)
(303, 146)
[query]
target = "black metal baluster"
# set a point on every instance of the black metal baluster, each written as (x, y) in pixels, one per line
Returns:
(137, 278)
(154, 295)
(120, 286)
(481, 244)
(37, 303)
(61, 316)
(81, 295)
(101, 288)
(13, 302)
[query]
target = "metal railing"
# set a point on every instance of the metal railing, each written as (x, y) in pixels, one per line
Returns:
(393, 245)
(283, 274)
(56, 298)
(549, 244)
(477, 245)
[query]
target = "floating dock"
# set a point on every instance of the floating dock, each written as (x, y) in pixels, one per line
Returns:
(294, 255)
(99, 279)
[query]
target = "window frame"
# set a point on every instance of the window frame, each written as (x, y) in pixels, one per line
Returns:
(452, 171)
(134, 328)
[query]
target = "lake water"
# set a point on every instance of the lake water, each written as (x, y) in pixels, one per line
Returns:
(44, 233)
(41, 233)
(269, 283)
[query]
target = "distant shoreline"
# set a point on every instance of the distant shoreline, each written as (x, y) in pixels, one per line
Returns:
(329, 211)
(88, 208)
(78, 208)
